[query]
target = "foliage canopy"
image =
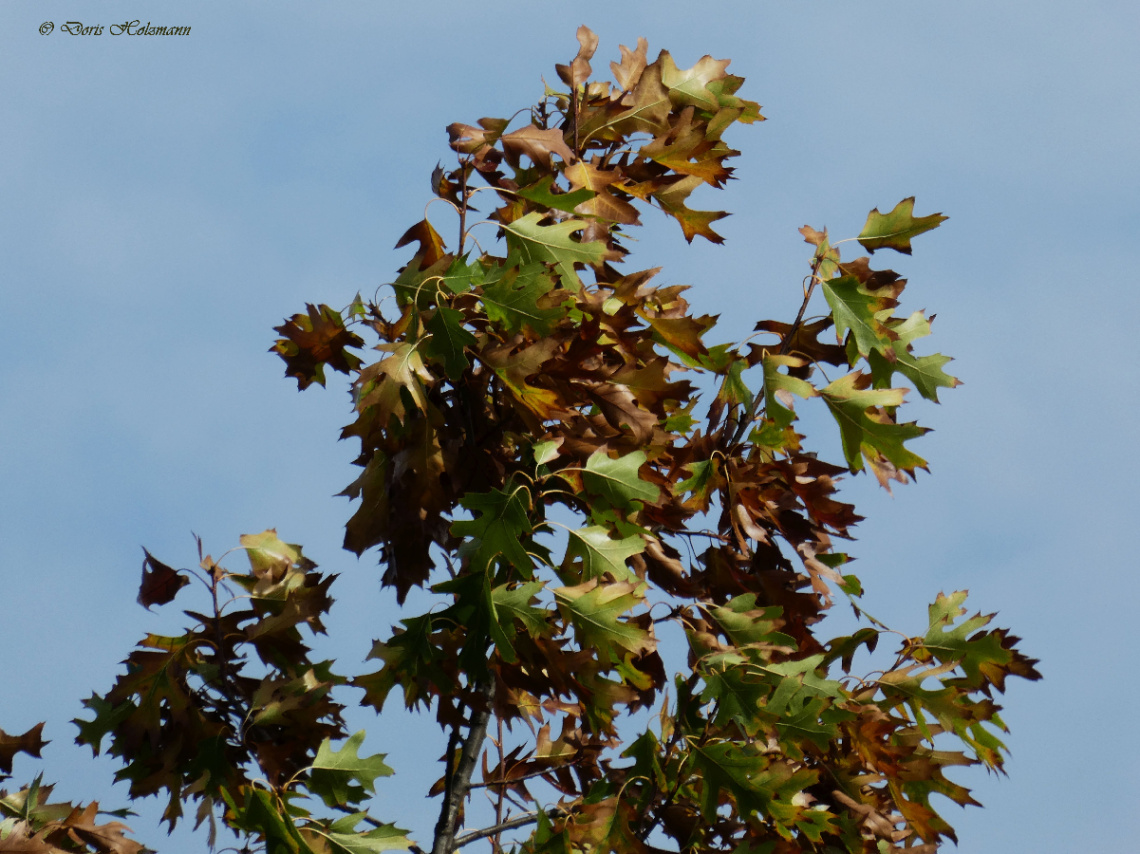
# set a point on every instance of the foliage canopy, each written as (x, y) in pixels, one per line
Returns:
(610, 513)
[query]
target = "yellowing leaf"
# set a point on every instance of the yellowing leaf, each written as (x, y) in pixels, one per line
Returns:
(602, 204)
(860, 312)
(553, 244)
(779, 387)
(590, 553)
(385, 384)
(594, 608)
(693, 222)
(866, 431)
(690, 85)
(895, 229)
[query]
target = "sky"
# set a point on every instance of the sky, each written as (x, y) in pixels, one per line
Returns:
(164, 202)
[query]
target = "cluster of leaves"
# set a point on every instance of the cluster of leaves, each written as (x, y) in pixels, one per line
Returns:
(533, 456)
(511, 384)
(190, 719)
(32, 825)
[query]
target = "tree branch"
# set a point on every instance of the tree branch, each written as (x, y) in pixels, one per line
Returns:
(509, 824)
(458, 786)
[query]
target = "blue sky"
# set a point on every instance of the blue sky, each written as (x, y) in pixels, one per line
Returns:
(165, 202)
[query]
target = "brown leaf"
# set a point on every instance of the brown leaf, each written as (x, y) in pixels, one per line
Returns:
(803, 341)
(160, 584)
(431, 244)
(109, 838)
(693, 222)
(313, 340)
(620, 409)
(578, 71)
(633, 62)
(605, 205)
(29, 743)
(650, 383)
(516, 368)
(815, 238)
(467, 139)
(537, 144)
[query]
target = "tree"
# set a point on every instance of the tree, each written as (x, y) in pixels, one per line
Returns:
(533, 455)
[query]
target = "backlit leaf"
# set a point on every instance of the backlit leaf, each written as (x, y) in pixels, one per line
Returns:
(595, 608)
(895, 229)
(553, 244)
(342, 777)
(860, 312)
(617, 481)
(867, 432)
(590, 553)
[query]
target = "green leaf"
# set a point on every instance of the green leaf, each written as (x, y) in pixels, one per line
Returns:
(871, 435)
(779, 388)
(594, 609)
(542, 194)
(617, 481)
(814, 721)
(590, 553)
(760, 786)
(501, 528)
(342, 837)
(553, 244)
(384, 838)
(895, 229)
(924, 371)
(544, 452)
(420, 286)
(747, 625)
(448, 338)
(706, 478)
(985, 657)
(462, 275)
(513, 604)
(513, 295)
(264, 815)
(857, 310)
(797, 681)
(334, 772)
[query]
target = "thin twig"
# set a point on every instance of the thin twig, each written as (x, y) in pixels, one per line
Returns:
(509, 824)
(813, 279)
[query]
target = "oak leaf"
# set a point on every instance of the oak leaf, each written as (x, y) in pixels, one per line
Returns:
(160, 583)
(895, 229)
(553, 244)
(538, 145)
(313, 340)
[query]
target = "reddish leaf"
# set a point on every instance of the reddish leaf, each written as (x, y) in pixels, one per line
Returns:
(160, 584)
